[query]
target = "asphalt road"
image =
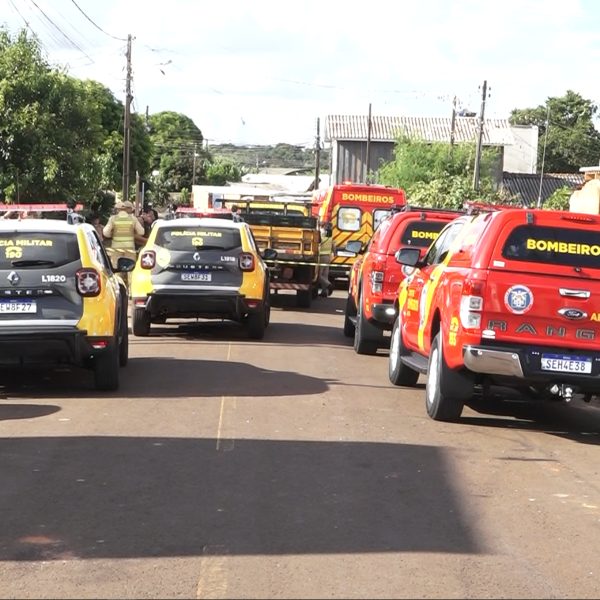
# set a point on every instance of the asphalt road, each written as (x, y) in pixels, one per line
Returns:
(287, 468)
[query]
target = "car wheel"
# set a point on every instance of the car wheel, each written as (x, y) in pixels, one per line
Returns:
(367, 337)
(106, 369)
(256, 325)
(398, 372)
(350, 311)
(267, 302)
(124, 341)
(141, 322)
(446, 389)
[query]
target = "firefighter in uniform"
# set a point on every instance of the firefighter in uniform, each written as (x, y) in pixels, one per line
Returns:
(122, 229)
(326, 248)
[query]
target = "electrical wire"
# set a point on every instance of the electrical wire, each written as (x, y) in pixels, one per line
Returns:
(61, 31)
(96, 25)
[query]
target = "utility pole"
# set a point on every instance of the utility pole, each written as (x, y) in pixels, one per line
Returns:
(453, 122)
(479, 139)
(368, 157)
(539, 198)
(127, 124)
(317, 155)
(194, 167)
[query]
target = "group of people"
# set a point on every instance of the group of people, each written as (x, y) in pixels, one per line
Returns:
(124, 233)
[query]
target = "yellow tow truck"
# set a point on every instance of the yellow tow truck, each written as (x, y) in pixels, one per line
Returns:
(286, 224)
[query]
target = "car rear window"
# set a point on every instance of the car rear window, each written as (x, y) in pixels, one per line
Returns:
(196, 238)
(421, 233)
(33, 249)
(554, 246)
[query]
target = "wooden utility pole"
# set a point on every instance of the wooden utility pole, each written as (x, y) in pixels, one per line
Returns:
(127, 124)
(317, 155)
(194, 167)
(368, 157)
(453, 122)
(479, 139)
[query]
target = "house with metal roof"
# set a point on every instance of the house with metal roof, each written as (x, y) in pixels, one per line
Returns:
(358, 139)
(528, 188)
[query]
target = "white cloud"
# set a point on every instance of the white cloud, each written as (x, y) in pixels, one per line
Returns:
(264, 71)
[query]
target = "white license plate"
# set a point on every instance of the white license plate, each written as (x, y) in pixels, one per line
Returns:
(18, 307)
(196, 277)
(566, 364)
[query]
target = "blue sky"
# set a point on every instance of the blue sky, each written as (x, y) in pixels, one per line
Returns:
(263, 72)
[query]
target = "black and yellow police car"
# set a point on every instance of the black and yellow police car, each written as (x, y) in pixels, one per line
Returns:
(206, 268)
(60, 300)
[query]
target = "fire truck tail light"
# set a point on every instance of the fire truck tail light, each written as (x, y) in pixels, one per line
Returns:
(377, 281)
(246, 262)
(471, 304)
(88, 282)
(148, 259)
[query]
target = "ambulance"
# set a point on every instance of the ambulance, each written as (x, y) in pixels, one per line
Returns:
(354, 211)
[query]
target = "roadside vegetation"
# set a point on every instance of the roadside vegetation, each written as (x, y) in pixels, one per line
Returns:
(61, 139)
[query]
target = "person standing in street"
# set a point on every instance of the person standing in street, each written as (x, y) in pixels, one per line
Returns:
(122, 229)
(325, 253)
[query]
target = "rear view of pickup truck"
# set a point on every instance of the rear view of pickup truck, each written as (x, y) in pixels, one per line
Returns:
(510, 298)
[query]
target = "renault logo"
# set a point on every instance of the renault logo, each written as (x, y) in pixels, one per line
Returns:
(196, 256)
(572, 313)
(13, 277)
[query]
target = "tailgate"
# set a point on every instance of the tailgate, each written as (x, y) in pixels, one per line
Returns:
(288, 241)
(547, 310)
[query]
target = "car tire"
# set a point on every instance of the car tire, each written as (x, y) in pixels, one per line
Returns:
(350, 311)
(367, 338)
(256, 324)
(398, 372)
(267, 304)
(106, 369)
(124, 341)
(141, 322)
(446, 390)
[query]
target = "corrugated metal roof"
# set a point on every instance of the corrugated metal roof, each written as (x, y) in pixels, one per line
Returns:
(526, 187)
(496, 132)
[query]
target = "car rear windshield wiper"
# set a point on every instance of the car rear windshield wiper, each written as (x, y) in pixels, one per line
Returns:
(32, 263)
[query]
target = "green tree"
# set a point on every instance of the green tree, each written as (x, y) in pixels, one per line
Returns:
(440, 175)
(178, 152)
(60, 138)
(559, 199)
(572, 139)
(222, 170)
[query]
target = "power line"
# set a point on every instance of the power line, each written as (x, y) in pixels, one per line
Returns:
(96, 25)
(61, 31)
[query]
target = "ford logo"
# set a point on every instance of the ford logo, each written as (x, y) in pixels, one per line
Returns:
(572, 313)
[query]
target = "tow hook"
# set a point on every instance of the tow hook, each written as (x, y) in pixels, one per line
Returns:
(564, 391)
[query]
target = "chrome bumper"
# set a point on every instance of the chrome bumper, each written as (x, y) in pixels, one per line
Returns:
(492, 362)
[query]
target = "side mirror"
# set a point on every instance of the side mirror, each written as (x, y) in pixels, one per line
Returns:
(409, 257)
(355, 246)
(125, 265)
(269, 253)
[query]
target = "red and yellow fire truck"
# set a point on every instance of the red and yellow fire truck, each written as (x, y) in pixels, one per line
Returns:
(354, 210)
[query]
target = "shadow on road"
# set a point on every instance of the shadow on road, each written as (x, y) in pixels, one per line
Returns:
(116, 497)
(26, 411)
(162, 377)
(575, 421)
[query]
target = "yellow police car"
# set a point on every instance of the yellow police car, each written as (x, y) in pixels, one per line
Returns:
(201, 267)
(60, 300)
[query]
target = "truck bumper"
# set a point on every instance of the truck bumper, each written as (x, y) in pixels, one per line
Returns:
(384, 315)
